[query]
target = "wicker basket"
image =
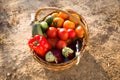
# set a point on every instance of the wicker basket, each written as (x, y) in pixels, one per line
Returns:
(76, 59)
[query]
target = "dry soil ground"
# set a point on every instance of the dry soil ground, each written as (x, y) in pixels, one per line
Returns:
(100, 62)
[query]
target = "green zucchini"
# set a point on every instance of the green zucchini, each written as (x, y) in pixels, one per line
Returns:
(36, 29)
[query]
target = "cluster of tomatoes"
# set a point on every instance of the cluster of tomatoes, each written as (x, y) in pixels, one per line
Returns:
(54, 34)
(62, 30)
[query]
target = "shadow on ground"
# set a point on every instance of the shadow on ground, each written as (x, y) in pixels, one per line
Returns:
(87, 69)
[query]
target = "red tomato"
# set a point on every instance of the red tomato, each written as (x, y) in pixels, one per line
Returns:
(60, 44)
(79, 31)
(63, 34)
(71, 33)
(52, 32)
(52, 41)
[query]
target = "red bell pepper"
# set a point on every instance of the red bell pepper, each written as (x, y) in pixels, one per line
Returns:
(39, 44)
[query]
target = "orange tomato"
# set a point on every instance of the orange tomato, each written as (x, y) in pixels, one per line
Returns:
(69, 24)
(55, 14)
(58, 22)
(63, 15)
(75, 15)
(79, 31)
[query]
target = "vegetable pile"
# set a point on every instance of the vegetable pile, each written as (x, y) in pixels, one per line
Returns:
(54, 39)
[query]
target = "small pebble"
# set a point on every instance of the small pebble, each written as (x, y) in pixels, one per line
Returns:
(8, 74)
(108, 64)
(14, 68)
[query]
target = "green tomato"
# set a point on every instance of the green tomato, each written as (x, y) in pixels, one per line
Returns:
(44, 25)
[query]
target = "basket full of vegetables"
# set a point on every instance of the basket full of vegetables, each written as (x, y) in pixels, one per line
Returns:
(59, 38)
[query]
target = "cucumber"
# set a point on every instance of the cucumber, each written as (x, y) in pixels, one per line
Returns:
(36, 29)
(49, 20)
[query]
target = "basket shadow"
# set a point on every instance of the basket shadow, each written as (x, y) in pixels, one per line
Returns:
(87, 69)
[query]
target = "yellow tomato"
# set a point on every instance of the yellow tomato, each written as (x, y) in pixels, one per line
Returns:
(75, 15)
(55, 14)
(57, 22)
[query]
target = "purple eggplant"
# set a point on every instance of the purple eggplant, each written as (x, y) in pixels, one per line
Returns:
(54, 55)
(58, 54)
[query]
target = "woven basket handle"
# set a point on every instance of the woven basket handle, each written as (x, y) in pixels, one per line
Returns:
(66, 11)
(57, 9)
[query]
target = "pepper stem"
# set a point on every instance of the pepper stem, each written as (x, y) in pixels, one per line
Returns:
(35, 43)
